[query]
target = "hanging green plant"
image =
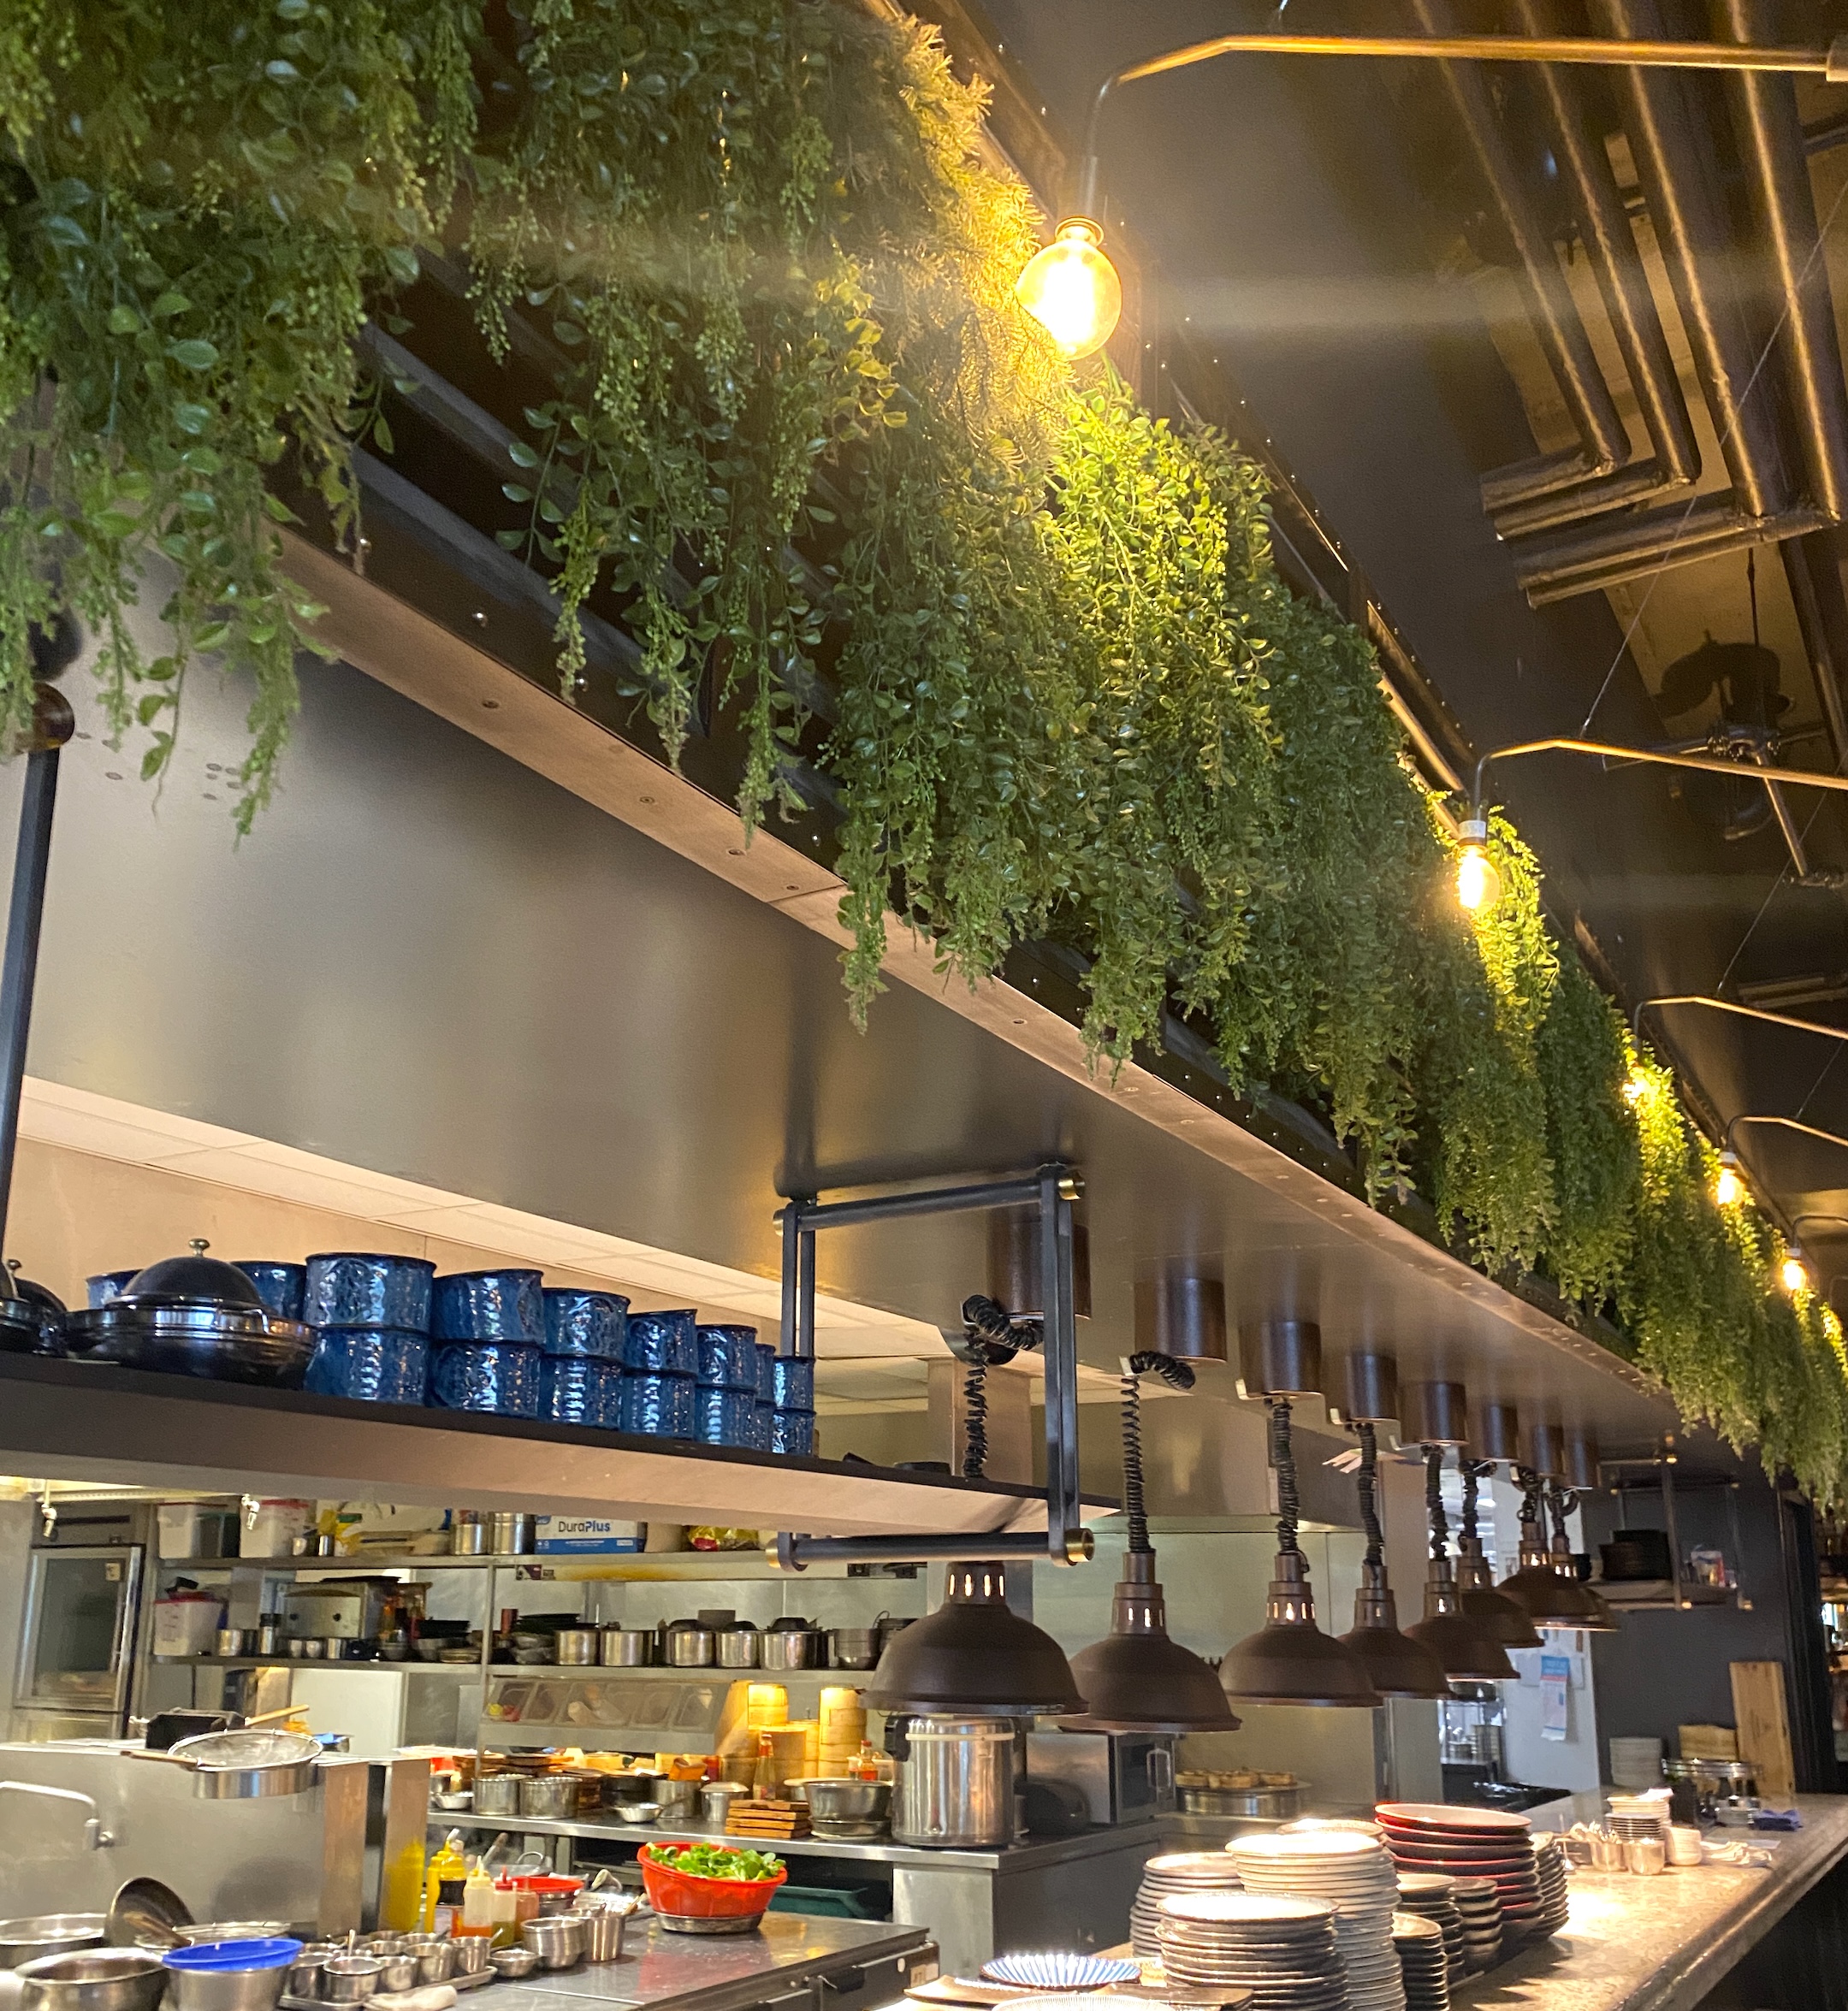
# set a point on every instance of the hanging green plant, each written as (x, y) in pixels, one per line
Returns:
(1591, 1137)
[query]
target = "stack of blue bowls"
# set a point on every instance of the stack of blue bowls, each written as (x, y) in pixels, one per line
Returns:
(371, 1317)
(763, 1410)
(660, 1358)
(792, 1422)
(489, 1329)
(726, 1389)
(581, 1375)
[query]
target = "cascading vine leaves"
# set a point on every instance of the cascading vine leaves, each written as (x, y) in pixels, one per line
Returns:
(796, 433)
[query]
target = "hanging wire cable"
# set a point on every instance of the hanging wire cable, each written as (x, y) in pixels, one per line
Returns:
(986, 1319)
(975, 1420)
(1531, 1486)
(1561, 1500)
(1367, 1485)
(1177, 1376)
(1284, 1464)
(992, 1336)
(1439, 1528)
(1474, 1471)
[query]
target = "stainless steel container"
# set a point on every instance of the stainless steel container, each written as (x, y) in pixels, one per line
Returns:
(853, 1648)
(435, 1955)
(249, 1763)
(514, 1963)
(549, 1797)
(715, 1799)
(627, 1647)
(302, 1977)
(735, 1647)
(848, 1810)
(497, 1793)
(351, 1980)
(511, 1535)
(228, 1640)
(577, 1646)
(469, 1535)
(97, 1979)
(471, 1952)
(677, 1799)
(268, 1639)
(34, 1934)
(689, 1647)
(559, 1942)
(799, 1646)
(955, 1790)
(603, 1931)
(399, 1972)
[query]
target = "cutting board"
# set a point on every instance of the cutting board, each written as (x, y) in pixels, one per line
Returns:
(1764, 1741)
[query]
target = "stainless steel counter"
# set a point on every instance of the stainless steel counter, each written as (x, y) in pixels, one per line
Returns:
(1663, 1943)
(867, 1963)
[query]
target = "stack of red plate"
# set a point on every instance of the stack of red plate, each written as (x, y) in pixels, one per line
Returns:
(1470, 1844)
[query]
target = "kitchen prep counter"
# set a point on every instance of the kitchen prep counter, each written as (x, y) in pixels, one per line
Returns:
(1663, 1943)
(866, 1964)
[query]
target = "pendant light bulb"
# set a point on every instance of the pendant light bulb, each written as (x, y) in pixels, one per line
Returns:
(1072, 290)
(1479, 885)
(1728, 1187)
(975, 1657)
(1793, 1273)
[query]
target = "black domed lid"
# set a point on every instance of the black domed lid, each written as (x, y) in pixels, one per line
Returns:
(197, 1280)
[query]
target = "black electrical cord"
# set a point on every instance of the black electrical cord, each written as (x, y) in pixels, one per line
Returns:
(988, 1320)
(1563, 1500)
(991, 1337)
(1177, 1376)
(974, 1421)
(1439, 1528)
(1366, 1483)
(1283, 1463)
(1530, 1485)
(1475, 1471)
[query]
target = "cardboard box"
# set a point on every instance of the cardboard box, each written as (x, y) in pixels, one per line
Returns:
(585, 1535)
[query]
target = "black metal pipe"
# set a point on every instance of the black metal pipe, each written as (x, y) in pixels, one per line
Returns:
(1610, 245)
(884, 1208)
(1626, 548)
(1770, 138)
(52, 725)
(1603, 444)
(1690, 225)
(1815, 589)
(797, 1554)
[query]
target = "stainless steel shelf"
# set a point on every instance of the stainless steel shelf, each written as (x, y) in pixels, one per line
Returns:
(339, 1567)
(74, 1420)
(469, 1672)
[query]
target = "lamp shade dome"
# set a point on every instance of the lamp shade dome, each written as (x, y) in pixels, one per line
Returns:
(975, 1657)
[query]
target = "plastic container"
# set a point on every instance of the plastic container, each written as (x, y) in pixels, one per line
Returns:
(680, 1894)
(357, 1288)
(659, 1406)
(230, 1975)
(186, 1625)
(492, 1376)
(792, 1431)
(571, 1390)
(281, 1286)
(727, 1357)
(272, 1530)
(592, 1324)
(792, 1382)
(663, 1344)
(725, 1416)
(375, 1365)
(489, 1305)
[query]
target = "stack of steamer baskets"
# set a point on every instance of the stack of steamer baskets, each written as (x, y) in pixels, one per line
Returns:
(1467, 1844)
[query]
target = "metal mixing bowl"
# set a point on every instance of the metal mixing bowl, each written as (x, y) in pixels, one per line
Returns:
(97, 1979)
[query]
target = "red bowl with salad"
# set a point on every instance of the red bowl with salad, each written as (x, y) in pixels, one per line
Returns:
(709, 1881)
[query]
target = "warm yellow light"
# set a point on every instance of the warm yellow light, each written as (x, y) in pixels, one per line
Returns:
(1794, 1273)
(1479, 884)
(1726, 1187)
(1072, 290)
(1636, 1087)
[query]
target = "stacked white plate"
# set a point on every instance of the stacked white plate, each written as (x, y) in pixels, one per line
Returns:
(1636, 1763)
(1178, 1873)
(1273, 1951)
(1357, 1878)
(1633, 1816)
(1420, 1946)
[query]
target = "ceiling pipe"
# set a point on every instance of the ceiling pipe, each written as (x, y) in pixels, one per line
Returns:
(1655, 541)
(1603, 444)
(1815, 580)
(1609, 242)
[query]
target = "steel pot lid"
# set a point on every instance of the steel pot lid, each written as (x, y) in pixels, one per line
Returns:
(197, 1280)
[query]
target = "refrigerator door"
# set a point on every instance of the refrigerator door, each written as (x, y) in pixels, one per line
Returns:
(76, 1644)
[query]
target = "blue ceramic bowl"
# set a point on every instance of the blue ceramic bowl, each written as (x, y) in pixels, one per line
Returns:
(728, 1358)
(792, 1431)
(659, 1406)
(762, 1427)
(571, 1390)
(591, 1324)
(794, 1384)
(610, 1392)
(280, 1286)
(491, 1305)
(377, 1364)
(766, 1373)
(350, 1288)
(497, 1375)
(724, 1416)
(108, 1285)
(663, 1344)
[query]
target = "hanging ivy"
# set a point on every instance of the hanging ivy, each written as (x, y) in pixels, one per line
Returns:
(801, 438)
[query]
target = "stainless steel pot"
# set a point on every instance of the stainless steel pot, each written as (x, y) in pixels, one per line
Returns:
(677, 1799)
(627, 1647)
(471, 1952)
(797, 1647)
(469, 1535)
(956, 1785)
(603, 1931)
(268, 1639)
(549, 1797)
(715, 1799)
(351, 1980)
(34, 1934)
(249, 1764)
(497, 1793)
(302, 1978)
(511, 1535)
(689, 1647)
(847, 1809)
(399, 1972)
(559, 1942)
(737, 1647)
(436, 1956)
(97, 1979)
(577, 1646)
(853, 1648)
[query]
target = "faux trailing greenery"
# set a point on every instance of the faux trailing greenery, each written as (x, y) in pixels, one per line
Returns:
(801, 438)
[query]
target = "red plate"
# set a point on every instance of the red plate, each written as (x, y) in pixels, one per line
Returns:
(1418, 1849)
(1444, 1815)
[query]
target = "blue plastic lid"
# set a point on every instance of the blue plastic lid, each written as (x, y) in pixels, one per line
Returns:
(276, 1953)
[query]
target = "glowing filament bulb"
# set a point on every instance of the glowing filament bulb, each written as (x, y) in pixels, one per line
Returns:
(1793, 1272)
(1072, 290)
(1479, 885)
(1728, 1187)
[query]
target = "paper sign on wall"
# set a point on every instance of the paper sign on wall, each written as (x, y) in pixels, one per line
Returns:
(1556, 1673)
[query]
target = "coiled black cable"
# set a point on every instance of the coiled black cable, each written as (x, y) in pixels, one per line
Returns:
(1475, 1471)
(988, 1320)
(1177, 1376)
(975, 1420)
(1440, 1527)
(1367, 1485)
(1284, 1464)
(1531, 1486)
(1563, 1500)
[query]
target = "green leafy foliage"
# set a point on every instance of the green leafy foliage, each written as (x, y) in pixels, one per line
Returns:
(800, 438)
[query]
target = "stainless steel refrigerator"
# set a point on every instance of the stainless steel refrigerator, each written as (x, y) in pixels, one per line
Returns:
(77, 1640)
